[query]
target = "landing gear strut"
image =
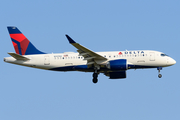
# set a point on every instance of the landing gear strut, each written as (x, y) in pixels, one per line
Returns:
(95, 76)
(159, 75)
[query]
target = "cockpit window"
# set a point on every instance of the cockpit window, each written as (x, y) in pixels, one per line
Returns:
(163, 55)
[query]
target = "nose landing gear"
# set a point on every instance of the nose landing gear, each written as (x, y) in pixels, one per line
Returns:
(159, 75)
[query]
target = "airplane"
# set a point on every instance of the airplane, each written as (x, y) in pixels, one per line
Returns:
(113, 64)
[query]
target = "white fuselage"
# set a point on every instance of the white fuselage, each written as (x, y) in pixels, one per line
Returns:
(69, 61)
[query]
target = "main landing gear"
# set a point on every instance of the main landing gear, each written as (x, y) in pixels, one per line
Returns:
(159, 75)
(95, 76)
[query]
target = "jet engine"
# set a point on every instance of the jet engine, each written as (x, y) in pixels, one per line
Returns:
(120, 64)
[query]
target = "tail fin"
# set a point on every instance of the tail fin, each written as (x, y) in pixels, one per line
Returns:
(21, 44)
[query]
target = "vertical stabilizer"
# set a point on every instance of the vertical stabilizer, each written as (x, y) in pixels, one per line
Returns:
(21, 44)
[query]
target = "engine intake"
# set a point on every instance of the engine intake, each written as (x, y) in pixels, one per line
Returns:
(120, 64)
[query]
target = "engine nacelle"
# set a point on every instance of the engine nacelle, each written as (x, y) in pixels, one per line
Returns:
(120, 64)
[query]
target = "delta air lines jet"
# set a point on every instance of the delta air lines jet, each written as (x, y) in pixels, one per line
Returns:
(112, 64)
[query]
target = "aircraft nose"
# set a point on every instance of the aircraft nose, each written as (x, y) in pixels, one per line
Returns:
(172, 61)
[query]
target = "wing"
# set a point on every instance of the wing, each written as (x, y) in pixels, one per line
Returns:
(88, 55)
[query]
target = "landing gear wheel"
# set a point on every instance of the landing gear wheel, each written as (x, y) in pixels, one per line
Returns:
(95, 80)
(159, 75)
(95, 75)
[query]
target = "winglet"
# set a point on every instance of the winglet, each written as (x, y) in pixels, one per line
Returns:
(70, 39)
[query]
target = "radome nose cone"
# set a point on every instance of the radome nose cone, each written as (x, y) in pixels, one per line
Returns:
(172, 61)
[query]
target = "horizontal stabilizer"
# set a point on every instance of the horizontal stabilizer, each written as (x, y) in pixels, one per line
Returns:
(18, 57)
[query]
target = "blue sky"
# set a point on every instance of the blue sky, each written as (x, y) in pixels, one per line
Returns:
(114, 25)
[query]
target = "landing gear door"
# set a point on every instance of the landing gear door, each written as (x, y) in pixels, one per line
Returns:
(46, 60)
(152, 56)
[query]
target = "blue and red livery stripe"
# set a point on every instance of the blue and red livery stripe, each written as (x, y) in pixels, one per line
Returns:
(21, 44)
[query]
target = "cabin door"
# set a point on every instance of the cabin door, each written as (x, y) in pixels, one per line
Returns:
(152, 56)
(46, 60)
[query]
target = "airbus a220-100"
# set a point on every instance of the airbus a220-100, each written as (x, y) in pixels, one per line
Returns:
(113, 64)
